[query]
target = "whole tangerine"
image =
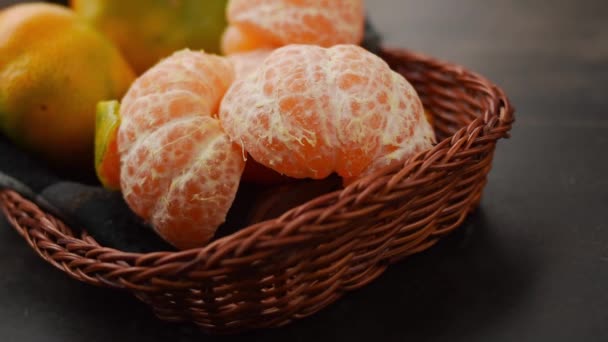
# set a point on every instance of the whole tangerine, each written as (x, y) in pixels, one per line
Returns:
(54, 68)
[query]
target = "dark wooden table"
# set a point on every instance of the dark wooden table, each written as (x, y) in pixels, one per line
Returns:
(532, 264)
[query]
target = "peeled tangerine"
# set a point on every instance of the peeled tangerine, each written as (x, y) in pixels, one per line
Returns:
(244, 64)
(179, 170)
(255, 24)
(309, 111)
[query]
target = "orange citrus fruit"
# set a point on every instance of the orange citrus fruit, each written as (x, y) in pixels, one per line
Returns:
(429, 117)
(148, 30)
(254, 24)
(310, 111)
(179, 170)
(245, 63)
(54, 68)
(107, 160)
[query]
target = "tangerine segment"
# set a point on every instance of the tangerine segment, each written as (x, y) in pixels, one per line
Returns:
(186, 84)
(236, 39)
(309, 111)
(245, 63)
(183, 178)
(429, 116)
(107, 159)
(274, 23)
(179, 170)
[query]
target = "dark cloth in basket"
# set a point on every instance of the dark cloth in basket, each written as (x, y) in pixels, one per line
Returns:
(108, 219)
(104, 214)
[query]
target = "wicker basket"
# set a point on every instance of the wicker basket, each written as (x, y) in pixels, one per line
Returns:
(287, 268)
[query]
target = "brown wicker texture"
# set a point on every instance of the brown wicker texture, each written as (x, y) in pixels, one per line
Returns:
(287, 268)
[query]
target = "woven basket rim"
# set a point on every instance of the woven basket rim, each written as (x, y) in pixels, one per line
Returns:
(497, 121)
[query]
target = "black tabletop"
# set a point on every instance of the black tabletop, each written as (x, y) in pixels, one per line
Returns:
(530, 265)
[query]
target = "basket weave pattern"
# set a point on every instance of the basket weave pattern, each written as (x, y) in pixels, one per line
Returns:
(276, 271)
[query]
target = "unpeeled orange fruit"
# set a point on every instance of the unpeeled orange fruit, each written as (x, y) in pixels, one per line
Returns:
(309, 111)
(54, 68)
(179, 170)
(255, 24)
(148, 30)
(107, 160)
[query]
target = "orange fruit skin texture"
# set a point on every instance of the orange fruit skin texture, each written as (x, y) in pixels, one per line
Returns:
(309, 111)
(255, 24)
(54, 69)
(179, 170)
(148, 30)
(107, 160)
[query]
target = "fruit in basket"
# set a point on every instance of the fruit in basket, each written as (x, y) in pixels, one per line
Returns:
(309, 111)
(429, 117)
(148, 30)
(255, 24)
(244, 64)
(54, 68)
(107, 160)
(179, 170)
